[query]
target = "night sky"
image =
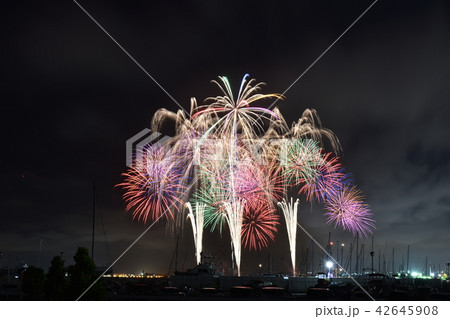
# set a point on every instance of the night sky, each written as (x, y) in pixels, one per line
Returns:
(70, 98)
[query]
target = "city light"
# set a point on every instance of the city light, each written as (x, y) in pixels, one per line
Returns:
(135, 276)
(329, 265)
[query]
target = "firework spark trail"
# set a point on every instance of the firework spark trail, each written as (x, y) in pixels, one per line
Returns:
(239, 112)
(197, 227)
(290, 210)
(235, 210)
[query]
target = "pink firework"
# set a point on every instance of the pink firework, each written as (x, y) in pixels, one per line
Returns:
(259, 182)
(248, 180)
(259, 225)
(153, 185)
(346, 208)
(245, 179)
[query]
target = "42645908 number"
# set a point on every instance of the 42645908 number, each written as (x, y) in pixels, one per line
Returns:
(407, 310)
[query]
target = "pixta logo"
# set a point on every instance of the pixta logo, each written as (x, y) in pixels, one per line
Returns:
(136, 144)
(209, 150)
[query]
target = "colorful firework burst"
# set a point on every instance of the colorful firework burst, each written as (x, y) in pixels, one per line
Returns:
(328, 177)
(345, 208)
(153, 185)
(300, 160)
(259, 225)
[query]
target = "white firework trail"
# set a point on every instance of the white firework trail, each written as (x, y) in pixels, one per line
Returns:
(197, 226)
(235, 210)
(290, 215)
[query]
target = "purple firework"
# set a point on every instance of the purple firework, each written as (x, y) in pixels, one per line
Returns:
(346, 208)
(328, 178)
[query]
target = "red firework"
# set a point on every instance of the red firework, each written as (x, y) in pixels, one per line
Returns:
(259, 225)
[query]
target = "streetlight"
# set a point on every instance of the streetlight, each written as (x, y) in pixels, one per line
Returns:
(329, 264)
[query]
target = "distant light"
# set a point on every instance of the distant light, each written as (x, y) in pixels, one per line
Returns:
(329, 264)
(331, 243)
(342, 245)
(17, 277)
(432, 274)
(137, 276)
(285, 277)
(260, 265)
(415, 274)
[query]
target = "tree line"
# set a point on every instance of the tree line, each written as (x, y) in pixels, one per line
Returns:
(61, 283)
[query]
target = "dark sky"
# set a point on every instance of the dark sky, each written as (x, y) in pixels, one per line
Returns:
(70, 98)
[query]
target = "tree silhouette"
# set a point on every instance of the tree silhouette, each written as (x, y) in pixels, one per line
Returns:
(33, 281)
(56, 282)
(82, 275)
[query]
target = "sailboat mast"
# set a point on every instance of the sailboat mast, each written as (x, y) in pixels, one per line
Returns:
(379, 260)
(393, 260)
(351, 253)
(407, 260)
(357, 255)
(93, 219)
(371, 255)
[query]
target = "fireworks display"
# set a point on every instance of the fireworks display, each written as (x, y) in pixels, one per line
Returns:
(230, 163)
